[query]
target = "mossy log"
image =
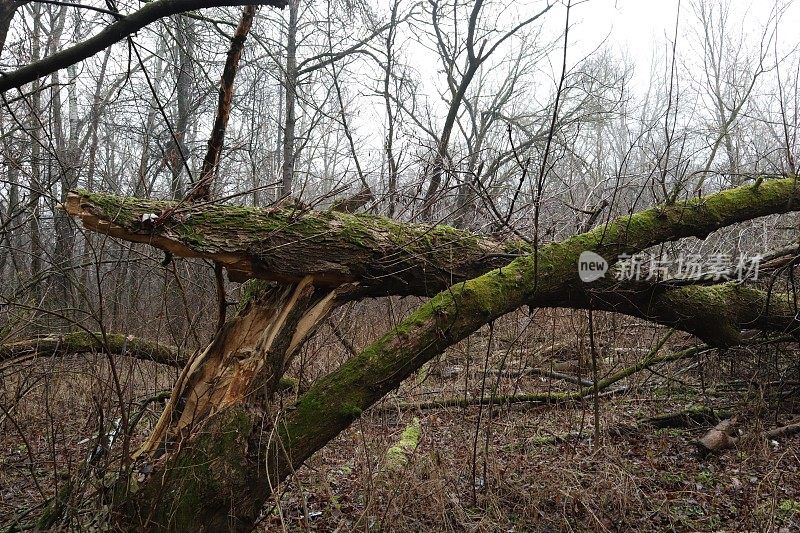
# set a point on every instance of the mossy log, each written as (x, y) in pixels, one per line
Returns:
(691, 416)
(92, 342)
(398, 454)
(289, 242)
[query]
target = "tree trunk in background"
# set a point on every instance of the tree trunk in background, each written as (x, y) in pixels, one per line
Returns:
(92, 137)
(178, 153)
(290, 94)
(69, 158)
(466, 197)
(177, 156)
(10, 219)
(443, 143)
(35, 128)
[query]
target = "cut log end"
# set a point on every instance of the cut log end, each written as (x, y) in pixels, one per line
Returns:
(720, 437)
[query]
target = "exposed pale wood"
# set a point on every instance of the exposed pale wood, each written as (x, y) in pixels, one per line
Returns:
(245, 361)
(720, 437)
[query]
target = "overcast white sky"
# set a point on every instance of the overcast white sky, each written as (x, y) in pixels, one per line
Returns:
(641, 31)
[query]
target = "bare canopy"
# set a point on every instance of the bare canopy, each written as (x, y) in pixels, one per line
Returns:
(122, 27)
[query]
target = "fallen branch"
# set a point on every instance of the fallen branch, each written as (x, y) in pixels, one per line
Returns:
(397, 456)
(83, 342)
(286, 243)
(683, 418)
(722, 436)
(559, 375)
(561, 397)
(784, 431)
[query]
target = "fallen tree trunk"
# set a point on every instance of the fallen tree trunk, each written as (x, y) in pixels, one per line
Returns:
(289, 242)
(385, 257)
(717, 314)
(696, 414)
(286, 243)
(95, 342)
(214, 464)
(784, 431)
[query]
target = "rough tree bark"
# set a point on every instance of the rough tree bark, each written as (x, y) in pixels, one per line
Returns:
(222, 444)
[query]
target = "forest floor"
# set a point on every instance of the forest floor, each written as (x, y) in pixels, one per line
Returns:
(506, 468)
(647, 479)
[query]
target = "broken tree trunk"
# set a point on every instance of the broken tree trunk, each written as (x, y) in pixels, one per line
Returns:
(245, 361)
(222, 445)
(720, 437)
(213, 422)
(723, 436)
(287, 243)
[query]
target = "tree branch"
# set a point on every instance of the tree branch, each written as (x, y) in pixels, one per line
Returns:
(120, 29)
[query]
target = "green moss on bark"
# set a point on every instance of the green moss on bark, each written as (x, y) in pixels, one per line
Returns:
(212, 473)
(123, 210)
(397, 455)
